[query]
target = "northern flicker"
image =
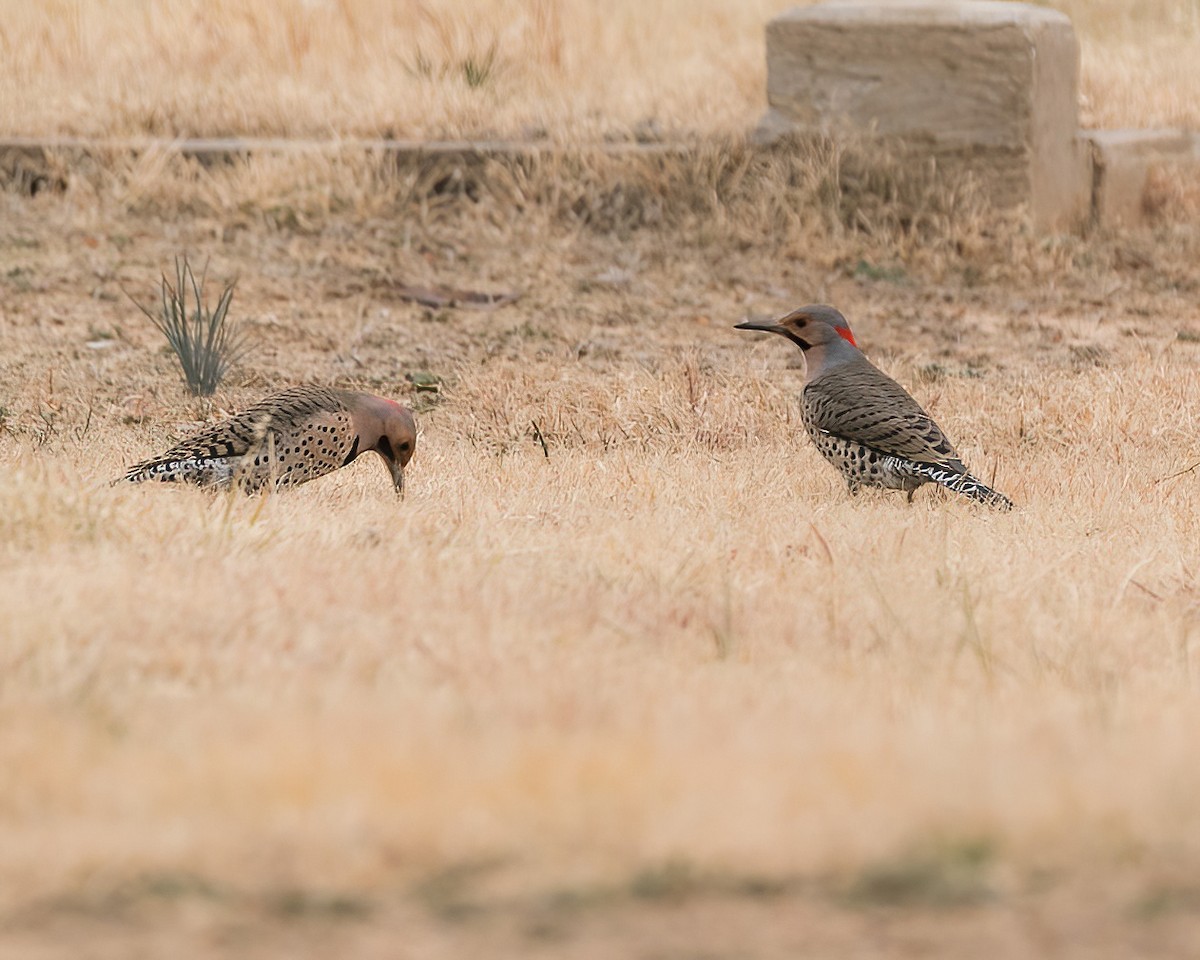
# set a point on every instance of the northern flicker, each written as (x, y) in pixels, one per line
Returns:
(288, 439)
(863, 421)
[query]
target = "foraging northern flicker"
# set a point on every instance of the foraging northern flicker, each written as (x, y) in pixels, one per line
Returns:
(290, 438)
(863, 421)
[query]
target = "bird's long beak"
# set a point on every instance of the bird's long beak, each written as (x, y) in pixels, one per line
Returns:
(397, 472)
(768, 327)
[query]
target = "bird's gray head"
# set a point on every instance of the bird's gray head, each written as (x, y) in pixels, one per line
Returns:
(812, 326)
(389, 429)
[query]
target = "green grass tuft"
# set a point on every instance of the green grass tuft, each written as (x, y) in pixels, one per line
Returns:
(205, 342)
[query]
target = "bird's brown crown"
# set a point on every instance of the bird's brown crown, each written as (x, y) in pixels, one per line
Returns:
(387, 428)
(399, 431)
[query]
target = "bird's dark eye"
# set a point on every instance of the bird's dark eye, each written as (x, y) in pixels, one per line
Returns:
(404, 446)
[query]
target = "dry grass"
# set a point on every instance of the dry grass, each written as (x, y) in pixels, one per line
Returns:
(1137, 62)
(564, 69)
(560, 68)
(670, 663)
(661, 688)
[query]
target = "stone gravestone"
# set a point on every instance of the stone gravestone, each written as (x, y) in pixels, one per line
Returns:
(981, 83)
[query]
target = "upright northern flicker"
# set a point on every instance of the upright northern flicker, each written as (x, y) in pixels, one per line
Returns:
(863, 421)
(290, 438)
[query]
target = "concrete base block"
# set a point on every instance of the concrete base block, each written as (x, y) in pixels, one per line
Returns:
(990, 81)
(1121, 164)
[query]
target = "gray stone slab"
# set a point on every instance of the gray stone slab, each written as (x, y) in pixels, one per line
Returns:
(982, 84)
(1122, 161)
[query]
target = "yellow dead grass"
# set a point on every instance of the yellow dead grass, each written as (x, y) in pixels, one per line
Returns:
(670, 659)
(674, 640)
(564, 69)
(532, 68)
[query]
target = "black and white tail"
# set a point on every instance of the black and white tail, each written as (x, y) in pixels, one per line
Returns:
(188, 469)
(960, 482)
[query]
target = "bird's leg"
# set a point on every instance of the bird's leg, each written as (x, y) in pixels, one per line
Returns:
(910, 494)
(272, 467)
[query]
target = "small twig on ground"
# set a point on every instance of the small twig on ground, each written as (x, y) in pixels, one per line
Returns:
(81, 432)
(1179, 473)
(1146, 590)
(537, 432)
